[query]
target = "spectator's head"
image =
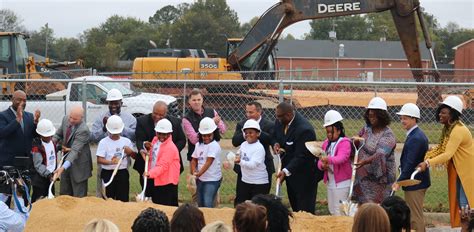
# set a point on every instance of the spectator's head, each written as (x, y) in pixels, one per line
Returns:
(18, 99)
(253, 110)
(114, 100)
(371, 217)
(398, 212)
(75, 115)
(163, 129)
(195, 100)
(250, 217)
(449, 110)
(278, 215)
(284, 113)
(207, 126)
(217, 226)
(160, 109)
(376, 115)
(151, 220)
(101, 225)
(333, 125)
(187, 218)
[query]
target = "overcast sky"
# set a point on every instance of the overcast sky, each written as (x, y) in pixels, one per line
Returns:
(68, 18)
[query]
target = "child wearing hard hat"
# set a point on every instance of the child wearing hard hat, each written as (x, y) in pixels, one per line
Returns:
(252, 164)
(110, 151)
(336, 165)
(206, 165)
(44, 159)
(163, 165)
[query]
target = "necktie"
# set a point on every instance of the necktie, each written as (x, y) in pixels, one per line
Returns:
(68, 133)
(286, 129)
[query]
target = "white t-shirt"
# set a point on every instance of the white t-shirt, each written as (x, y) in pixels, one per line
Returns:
(252, 163)
(50, 155)
(201, 153)
(109, 148)
(331, 181)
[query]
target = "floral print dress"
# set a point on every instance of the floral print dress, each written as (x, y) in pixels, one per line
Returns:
(373, 182)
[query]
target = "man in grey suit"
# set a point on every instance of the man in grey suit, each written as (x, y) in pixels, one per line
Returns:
(73, 134)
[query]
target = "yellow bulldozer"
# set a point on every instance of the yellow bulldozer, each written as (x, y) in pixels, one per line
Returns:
(15, 63)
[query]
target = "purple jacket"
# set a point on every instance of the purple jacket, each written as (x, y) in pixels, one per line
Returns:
(340, 161)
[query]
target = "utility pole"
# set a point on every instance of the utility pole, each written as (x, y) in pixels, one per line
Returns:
(46, 40)
(333, 37)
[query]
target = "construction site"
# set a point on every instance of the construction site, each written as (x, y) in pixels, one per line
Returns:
(314, 75)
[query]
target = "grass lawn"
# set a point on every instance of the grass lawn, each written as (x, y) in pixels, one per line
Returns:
(435, 200)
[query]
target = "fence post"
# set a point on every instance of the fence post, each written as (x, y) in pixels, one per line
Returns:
(184, 99)
(91, 71)
(84, 99)
(280, 91)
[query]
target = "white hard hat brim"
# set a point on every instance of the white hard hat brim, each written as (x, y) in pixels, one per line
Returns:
(208, 131)
(115, 131)
(163, 131)
(51, 133)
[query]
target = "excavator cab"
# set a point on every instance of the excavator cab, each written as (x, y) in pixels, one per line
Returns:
(248, 64)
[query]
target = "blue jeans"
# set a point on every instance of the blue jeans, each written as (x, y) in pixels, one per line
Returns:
(206, 192)
(460, 194)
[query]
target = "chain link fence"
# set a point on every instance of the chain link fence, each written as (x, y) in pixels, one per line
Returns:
(311, 98)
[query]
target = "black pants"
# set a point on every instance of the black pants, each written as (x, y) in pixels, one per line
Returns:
(40, 192)
(302, 193)
(120, 186)
(245, 191)
(165, 195)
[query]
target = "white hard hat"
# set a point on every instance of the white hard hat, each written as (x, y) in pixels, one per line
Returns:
(114, 125)
(207, 126)
(332, 117)
(45, 128)
(164, 126)
(410, 109)
(114, 95)
(454, 102)
(377, 103)
(251, 123)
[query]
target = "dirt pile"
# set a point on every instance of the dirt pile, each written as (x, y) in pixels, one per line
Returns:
(66, 213)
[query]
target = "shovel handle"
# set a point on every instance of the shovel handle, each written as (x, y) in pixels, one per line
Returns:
(417, 170)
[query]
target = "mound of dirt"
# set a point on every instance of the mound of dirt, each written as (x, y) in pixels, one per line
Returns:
(66, 213)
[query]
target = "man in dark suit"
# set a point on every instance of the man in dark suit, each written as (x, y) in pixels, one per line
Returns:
(413, 153)
(253, 110)
(299, 170)
(73, 134)
(17, 130)
(145, 131)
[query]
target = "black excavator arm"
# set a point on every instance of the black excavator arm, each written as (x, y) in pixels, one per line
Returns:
(262, 38)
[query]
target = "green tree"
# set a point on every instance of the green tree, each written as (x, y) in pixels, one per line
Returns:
(10, 21)
(204, 24)
(165, 15)
(66, 49)
(119, 38)
(38, 40)
(353, 27)
(452, 35)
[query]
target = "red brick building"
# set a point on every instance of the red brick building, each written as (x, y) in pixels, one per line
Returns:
(346, 60)
(464, 59)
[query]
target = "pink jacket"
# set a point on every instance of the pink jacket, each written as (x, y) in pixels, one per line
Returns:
(340, 161)
(166, 169)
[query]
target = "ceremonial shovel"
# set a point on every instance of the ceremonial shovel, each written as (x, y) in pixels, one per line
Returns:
(50, 192)
(348, 207)
(104, 185)
(141, 196)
